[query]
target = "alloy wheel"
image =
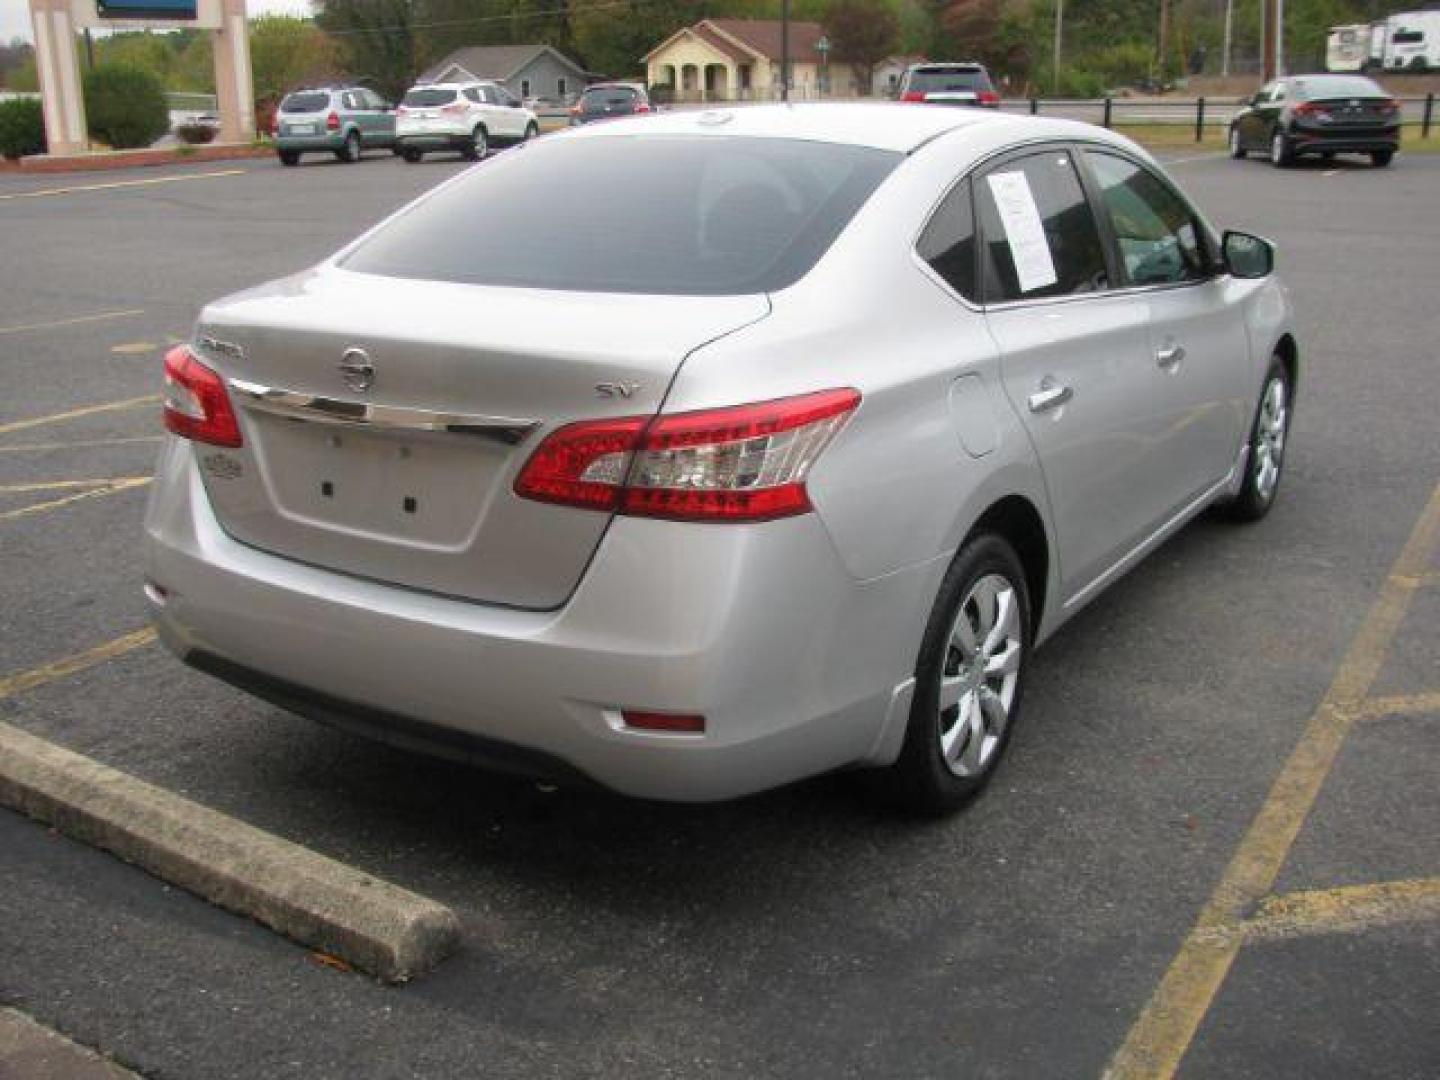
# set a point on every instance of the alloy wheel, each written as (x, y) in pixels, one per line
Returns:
(980, 676)
(1270, 428)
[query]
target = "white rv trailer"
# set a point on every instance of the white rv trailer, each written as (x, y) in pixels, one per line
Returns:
(1412, 42)
(1347, 48)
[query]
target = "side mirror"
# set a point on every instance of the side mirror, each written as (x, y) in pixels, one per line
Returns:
(1247, 256)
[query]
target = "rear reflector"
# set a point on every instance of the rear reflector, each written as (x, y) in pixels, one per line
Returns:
(746, 463)
(912, 95)
(195, 403)
(654, 721)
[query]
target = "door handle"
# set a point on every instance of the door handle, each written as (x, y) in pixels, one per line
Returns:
(1170, 356)
(1051, 395)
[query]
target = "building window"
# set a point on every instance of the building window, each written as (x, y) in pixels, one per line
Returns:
(524, 88)
(561, 87)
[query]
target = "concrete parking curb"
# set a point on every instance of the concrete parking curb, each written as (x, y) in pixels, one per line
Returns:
(370, 924)
(34, 1052)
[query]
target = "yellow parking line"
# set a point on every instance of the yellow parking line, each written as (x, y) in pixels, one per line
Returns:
(56, 504)
(79, 445)
(59, 669)
(58, 485)
(1345, 910)
(72, 414)
(1401, 705)
(98, 317)
(1163, 1032)
(81, 188)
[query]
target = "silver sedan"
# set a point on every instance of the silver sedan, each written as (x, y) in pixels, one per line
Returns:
(696, 454)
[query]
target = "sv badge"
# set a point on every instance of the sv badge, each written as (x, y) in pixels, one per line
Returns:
(617, 389)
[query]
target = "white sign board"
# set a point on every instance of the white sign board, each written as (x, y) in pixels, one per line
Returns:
(1029, 249)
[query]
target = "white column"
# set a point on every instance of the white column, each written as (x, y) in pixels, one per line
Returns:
(59, 71)
(234, 85)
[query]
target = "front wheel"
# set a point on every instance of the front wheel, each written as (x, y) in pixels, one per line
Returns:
(1381, 158)
(1268, 436)
(1281, 153)
(968, 681)
(1237, 148)
(531, 131)
(479, 145)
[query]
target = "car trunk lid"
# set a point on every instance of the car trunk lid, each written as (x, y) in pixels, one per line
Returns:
(385, 420)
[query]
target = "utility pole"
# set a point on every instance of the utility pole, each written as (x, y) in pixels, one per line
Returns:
(1059, 33)
(1163, 42)
(1279, 38)
(784, 50)
(1267, 39)
(1225, 52)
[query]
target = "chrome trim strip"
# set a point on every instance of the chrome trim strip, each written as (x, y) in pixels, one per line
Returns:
(313, 408)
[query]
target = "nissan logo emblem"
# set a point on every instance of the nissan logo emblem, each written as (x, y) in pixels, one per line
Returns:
(357, 369)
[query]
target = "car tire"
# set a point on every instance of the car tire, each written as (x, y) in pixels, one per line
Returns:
(350, 151)
(1282, 154)
(1237, 149)
(531, 131)
(976, 649)
(479, 144)
(1381, 158)
(412, 156)
(289, 157)
(1269, 436)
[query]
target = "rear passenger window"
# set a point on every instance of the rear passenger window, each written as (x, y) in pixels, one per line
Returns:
(1039, 235)
(948, 242)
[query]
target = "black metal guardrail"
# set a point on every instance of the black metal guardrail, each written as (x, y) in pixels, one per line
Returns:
(1212, 111)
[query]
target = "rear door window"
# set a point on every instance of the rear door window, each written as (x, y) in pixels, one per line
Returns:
(1039, 237)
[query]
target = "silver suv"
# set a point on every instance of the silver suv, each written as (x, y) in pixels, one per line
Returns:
(341, 120)
(777, 457)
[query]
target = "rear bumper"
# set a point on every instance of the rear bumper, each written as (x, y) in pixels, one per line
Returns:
(327, 142)
(1340, 141)
(797, 668)
(433, 140)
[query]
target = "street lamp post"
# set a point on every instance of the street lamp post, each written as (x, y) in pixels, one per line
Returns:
(785, 50)
(823, 48)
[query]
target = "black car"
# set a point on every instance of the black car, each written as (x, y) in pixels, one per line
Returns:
(605, 101)
(1318, 114)
(948, 84)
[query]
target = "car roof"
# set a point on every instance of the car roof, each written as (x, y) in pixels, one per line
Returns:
(881, 125)
(948, 65)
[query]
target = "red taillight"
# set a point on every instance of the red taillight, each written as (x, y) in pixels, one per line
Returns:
(988, 97)
(575, 109)
(746, 463)
(332, 122)
(455, 109)
(1310, 108)
(195, 403)
(402, 110)
(912, 95)
(654, 721)
(1389, 108)
(642, 108)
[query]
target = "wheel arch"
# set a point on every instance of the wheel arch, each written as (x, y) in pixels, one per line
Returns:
(1016, 520)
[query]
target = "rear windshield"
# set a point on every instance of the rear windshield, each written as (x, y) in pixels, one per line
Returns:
(425, 97)
(940, 80)
(609, 95)
(686, 215)
(304, 103)
(1337, 86)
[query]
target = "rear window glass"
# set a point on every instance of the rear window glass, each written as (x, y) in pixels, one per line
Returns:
(1338, 86)
(940, 80)
(616, 95)
(305, 103)
(688, 215)
(424, 97)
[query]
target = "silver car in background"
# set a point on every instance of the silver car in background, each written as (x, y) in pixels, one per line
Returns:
(780, 461)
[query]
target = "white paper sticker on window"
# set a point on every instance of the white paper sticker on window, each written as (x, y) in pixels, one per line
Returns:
(1028, 248)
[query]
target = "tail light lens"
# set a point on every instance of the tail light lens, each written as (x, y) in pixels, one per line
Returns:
(642, 108)
(912, 95)
(746, 463)
(1389, 108)
(195, 403)
(1308, 108)
(988, 97)
(457, 107)
(332, 122)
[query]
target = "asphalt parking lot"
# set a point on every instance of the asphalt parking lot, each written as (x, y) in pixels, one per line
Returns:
(1213, 845)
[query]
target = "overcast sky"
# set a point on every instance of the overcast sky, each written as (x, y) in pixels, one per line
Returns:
(15, 15)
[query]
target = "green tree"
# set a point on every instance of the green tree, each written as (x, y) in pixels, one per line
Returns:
(286, 52)
(863, 32)
(379, 38)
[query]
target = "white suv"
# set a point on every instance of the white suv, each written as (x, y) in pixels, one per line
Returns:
(469, 117)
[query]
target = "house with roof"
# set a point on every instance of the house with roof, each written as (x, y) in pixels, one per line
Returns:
(738, 60)
(525, 70)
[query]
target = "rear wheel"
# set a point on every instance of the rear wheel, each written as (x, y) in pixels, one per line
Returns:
(967, 682)
(1237, 149)
(350, 151)
(479, 144)
(531, 131)
(1268, 436)
(1281, 153)
(289, 157)
(1381, 158)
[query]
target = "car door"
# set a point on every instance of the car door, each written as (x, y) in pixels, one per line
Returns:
(1073, 351)
(382, 118)
(504, 113)
(1255, 123)
(1195, 387)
